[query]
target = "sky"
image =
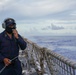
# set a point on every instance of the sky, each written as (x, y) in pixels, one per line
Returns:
(41, 17)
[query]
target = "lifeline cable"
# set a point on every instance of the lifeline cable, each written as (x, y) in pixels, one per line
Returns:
(5, 65)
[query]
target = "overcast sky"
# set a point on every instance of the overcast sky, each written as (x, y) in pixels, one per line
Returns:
(39, 17)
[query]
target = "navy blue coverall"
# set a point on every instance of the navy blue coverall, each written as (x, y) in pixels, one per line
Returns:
(9, 48)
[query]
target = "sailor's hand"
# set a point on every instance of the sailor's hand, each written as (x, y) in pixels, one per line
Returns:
(15, 32)
(6, 61)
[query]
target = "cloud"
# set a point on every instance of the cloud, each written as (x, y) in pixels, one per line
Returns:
(46, 28)
(73, 13)
(54, 27)
(40, 14)
(35, 8)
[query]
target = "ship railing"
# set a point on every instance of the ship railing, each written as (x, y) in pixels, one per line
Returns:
(47, 62)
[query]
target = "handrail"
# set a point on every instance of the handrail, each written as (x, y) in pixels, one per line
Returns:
(48, 62)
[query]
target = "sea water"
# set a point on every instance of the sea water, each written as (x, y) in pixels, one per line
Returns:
(64, 45)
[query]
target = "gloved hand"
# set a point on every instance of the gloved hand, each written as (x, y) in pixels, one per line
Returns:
(7, 61)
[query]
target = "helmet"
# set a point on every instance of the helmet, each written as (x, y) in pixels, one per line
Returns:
(8, 22)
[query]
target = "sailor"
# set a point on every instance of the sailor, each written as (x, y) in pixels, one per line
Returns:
(10, 44)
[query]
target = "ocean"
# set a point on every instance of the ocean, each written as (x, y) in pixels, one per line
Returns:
(64, 45)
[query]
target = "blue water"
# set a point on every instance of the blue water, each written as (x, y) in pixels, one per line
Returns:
(64, 45)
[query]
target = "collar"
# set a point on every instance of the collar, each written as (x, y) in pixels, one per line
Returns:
(6, 36)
